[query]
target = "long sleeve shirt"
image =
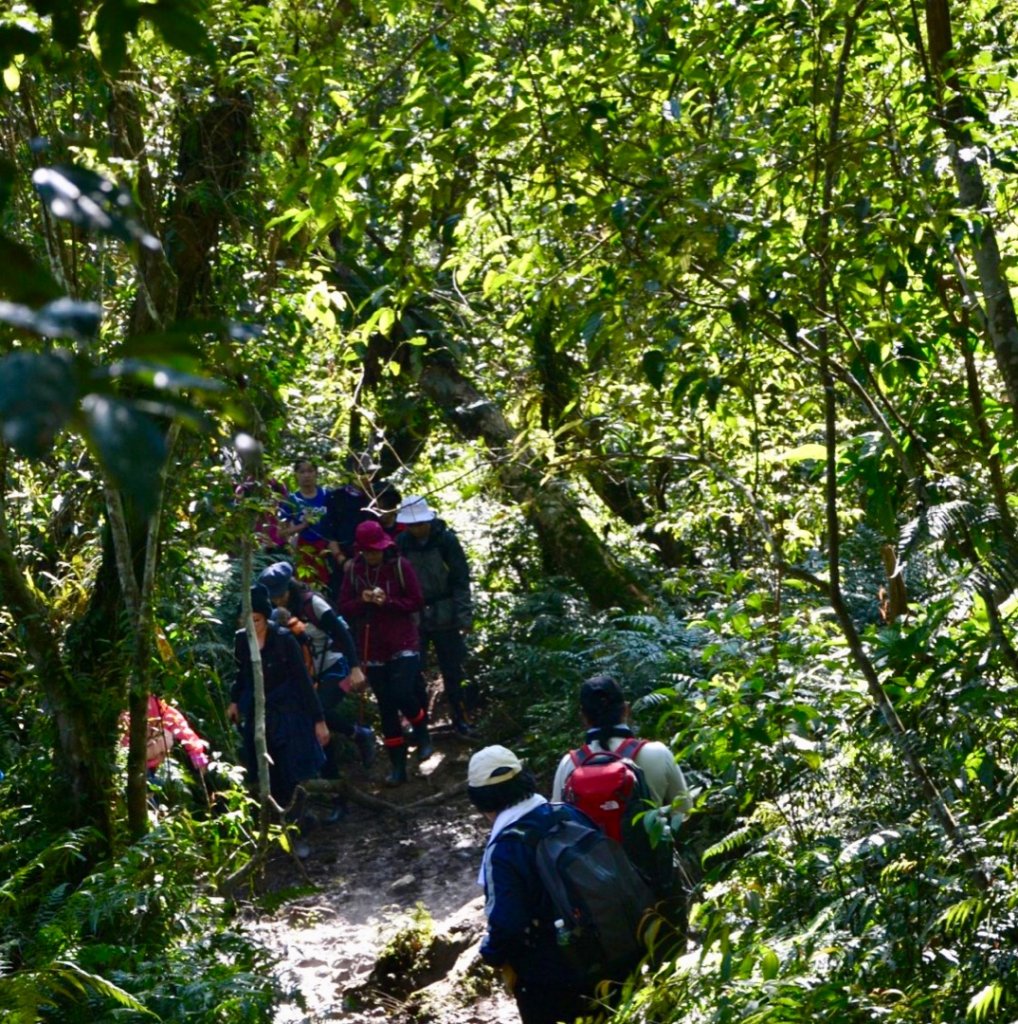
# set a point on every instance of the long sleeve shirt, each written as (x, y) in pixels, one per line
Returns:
(389, 629)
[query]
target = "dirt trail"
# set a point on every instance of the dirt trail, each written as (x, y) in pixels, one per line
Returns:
(392, 931)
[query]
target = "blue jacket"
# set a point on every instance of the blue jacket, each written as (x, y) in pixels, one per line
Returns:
(521, 917)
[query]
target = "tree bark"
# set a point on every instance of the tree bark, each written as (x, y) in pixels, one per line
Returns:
(568, 543)
(81, 753)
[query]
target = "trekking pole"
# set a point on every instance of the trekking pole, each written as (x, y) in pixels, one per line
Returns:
(362, 699)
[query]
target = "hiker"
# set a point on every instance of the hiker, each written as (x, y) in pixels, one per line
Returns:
(346, 507)
(605, 715)
(386, 508)
(521, 938)
(661, 792)
(437, 555)
(381, 595)
(295, 729)
(334, 667)
(271, 498)
(167, 726)
(302, 520)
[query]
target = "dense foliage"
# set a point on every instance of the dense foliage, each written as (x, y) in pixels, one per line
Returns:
(697, 319)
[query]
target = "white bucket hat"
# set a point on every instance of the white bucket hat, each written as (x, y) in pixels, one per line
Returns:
(414, 509)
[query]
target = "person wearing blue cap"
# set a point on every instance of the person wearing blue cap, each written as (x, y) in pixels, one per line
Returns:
(295, 728)
(336, 669)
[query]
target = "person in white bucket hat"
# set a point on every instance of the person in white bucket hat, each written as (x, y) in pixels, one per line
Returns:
(437, 556)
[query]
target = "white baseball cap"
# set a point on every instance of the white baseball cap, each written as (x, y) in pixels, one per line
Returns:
(492, 765)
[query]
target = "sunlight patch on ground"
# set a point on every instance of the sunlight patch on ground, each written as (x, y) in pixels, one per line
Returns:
(432, 764)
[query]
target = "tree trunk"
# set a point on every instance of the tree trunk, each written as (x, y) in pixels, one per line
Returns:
(620, 494)
(1000, 317)
(567, 542)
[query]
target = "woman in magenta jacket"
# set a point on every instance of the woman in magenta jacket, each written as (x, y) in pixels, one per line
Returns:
(381, 596)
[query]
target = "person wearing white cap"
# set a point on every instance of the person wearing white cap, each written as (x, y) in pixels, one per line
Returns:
(521, 939)
(434, 550)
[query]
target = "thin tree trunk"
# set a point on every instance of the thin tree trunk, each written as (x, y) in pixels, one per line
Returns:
(258, 680)
(829, 158)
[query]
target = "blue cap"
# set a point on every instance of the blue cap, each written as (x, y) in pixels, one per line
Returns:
(276, 578)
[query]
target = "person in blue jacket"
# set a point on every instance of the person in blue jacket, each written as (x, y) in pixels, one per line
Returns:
(295, 729)
(521, 939)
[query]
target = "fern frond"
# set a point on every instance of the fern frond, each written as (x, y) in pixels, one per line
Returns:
(733, 841)
(958, 915)
(941, 522)
(24, 993)
(985, 1002)
(654, 699)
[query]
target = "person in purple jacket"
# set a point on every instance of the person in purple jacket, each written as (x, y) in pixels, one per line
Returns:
(380, 595)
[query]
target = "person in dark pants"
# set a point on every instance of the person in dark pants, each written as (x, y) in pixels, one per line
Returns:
(521, 940)
(380, 594)
(335, 665)
(436, 554)
(295, 729)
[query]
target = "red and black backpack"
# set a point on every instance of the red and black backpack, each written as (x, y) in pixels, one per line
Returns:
(610, 788)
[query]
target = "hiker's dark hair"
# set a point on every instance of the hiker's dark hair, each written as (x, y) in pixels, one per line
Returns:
(501, 795)
(603, 704)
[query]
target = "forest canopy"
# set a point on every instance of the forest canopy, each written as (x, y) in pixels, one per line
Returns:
(696, 318)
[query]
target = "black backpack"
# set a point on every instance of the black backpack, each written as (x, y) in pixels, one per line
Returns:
(601, 902)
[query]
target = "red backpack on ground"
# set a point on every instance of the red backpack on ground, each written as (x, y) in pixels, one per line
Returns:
(610, 788)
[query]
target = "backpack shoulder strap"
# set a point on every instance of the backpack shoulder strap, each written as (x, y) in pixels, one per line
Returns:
(580, 755)
(630, 748)
(532, 834)
(307, 608)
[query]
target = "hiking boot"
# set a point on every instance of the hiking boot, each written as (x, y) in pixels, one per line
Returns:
(364, 741)
(463, 727)
(397, 775)
(336, 813)
(422, 738)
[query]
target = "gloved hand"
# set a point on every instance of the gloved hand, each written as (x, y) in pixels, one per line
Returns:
(509, 979)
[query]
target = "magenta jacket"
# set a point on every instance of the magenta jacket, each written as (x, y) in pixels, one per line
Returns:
(382, 631)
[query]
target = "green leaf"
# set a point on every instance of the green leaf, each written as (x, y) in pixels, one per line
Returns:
(66, 20)
(769, 963)
(801, 453)
(38, 394)
(24, 280)
(179, 28)
(654, 365)
(16, 40)
(161, 376)
(129, 445)
(114, 22)
(91, 201)
(62, 318)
